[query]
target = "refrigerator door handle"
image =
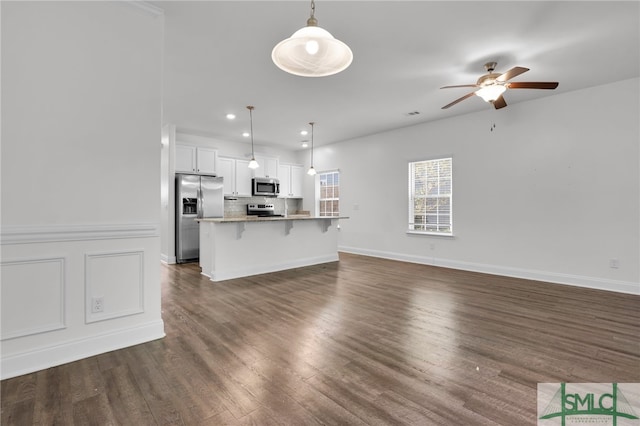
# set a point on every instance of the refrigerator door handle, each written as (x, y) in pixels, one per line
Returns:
(200, 210)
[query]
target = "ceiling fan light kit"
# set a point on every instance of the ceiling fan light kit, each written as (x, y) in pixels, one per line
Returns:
(491, 93)
(312, 51)
(491, 86)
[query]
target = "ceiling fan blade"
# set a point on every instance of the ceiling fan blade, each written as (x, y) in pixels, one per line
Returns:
(511, 73)
(468, 95)
(533, 85)
(499, 103)
(461, 85)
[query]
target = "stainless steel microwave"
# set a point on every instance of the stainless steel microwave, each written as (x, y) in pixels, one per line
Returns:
(265, 187)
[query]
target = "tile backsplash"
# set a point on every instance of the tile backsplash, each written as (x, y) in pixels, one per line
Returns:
(238, 207)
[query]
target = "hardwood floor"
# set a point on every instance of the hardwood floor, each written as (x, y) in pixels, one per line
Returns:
(363, 341)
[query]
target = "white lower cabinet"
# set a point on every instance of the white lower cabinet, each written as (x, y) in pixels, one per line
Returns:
(290, 176)
(237, 176)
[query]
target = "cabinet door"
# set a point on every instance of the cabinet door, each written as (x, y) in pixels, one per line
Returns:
(206, 160)
(271, 167)
(295, 181)
(243, 178)
(268, 167)
(185, 158)
(284, 173)
(227, 169)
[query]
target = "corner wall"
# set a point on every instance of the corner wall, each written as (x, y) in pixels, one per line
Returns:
(81, 131)
(552, 193)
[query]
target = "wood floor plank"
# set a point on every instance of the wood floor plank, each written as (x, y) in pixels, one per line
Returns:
(17, 390)
(281, 381)
(94, 411)
(86, 380)
(19, 413)
(363, 341)
(53, 402)
(127, 402)
(200, 393)
(158, 394)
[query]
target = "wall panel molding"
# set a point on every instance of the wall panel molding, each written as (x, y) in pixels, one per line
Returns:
(33, 296)
(58, 233)
(118, 278)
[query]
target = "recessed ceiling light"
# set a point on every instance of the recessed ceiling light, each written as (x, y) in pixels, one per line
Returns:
(231, 116)
(304, 133)
(305, 144)
(246, 134)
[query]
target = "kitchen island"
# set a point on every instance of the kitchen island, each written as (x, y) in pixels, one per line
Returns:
(234, 247)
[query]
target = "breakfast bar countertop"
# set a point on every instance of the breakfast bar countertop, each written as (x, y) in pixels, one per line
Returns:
(255, 218)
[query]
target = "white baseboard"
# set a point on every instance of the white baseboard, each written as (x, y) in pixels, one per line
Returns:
(169, 260)
(51, 356)
(551, 277)
(245, 272)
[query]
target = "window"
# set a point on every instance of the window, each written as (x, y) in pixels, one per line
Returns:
(329, 201)
(430, 193)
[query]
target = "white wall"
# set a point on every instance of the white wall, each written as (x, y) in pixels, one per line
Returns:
(81, 121)
(552, 193)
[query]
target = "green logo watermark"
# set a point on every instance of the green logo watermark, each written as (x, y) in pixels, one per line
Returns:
(615, 404)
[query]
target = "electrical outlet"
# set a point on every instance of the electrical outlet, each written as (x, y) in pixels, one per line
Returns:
(613, 263)
(97, 304)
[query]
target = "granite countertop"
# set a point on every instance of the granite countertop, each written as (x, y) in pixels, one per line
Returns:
(254, 218)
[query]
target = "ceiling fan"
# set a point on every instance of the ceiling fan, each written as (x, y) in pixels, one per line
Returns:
(491, 86)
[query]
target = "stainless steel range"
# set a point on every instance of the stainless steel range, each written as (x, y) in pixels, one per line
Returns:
(262, 210)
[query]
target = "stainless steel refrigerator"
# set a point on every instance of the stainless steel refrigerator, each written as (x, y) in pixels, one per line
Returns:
(197, 196)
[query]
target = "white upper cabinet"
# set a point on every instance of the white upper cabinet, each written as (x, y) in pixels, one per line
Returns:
(237, 176)
(284, 175)
(191, 159)
(290, 176)
(206, 160)
(185, 158)
(268, 167)
(297, 176)
(243, 178)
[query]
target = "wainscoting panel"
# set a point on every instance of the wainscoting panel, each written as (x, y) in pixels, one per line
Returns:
(33, 296)
(51, 274)
(117, 280)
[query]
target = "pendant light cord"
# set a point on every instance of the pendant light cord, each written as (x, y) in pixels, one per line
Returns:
(312, 123)
(250, 108)
(312, 21)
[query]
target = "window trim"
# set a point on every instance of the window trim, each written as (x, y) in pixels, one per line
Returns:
(411, 198)
(318, 190)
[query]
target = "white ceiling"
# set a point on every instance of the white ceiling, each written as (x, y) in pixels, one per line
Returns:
(218, 60)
